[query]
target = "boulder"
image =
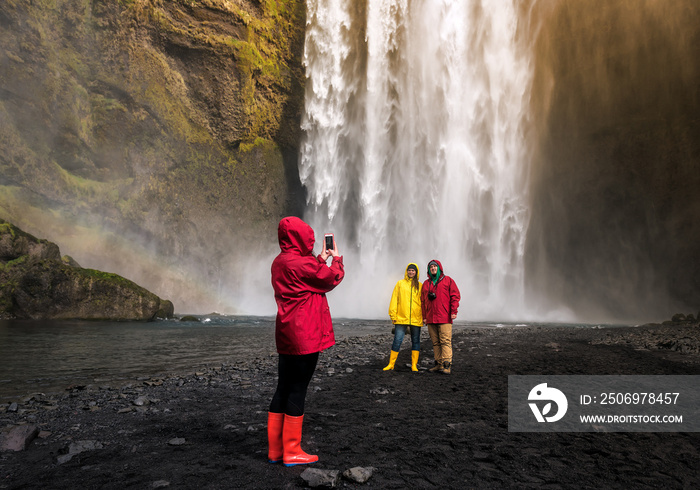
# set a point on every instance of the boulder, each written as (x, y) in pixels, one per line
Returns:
(166, 309)
(36, 283)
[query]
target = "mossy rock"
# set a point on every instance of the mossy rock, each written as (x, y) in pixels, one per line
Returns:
(15, 244)
(68, 260)
(166, 309)
(36, 283)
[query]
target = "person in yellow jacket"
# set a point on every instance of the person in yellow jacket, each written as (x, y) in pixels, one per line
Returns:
(406, 313)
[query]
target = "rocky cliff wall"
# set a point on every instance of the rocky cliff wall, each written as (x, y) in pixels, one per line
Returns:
(152, 138)
(616, 214)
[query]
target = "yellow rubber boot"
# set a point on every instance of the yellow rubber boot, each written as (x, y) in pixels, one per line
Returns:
(392, 361)
(414, 360)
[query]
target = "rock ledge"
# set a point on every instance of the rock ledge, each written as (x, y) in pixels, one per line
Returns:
(37, 283)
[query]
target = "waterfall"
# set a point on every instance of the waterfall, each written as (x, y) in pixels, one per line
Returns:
(416, 146)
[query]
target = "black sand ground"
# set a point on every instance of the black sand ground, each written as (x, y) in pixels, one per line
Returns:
(419, 430)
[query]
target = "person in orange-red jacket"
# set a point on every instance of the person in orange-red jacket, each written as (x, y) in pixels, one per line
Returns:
(440, 301)
(303, 328)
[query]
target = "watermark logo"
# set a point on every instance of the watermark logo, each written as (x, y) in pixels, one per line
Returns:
(613, 403)
(543, 393)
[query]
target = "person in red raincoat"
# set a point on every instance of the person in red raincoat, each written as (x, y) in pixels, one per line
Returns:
(303, 328)
(440, 301)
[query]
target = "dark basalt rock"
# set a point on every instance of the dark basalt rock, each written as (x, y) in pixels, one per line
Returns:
(36, 283)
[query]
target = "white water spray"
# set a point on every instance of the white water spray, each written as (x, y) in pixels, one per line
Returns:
(415, 147)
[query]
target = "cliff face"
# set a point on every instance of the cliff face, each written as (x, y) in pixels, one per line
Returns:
(616, 215)
(166, 128)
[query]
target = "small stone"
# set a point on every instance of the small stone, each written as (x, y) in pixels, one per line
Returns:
(177, 441)
(77, 448)
(82, 446)
(64, 458)
(160, 484)
(18, 438)
(359, 474)
(141, 401)
(379, 391)
(482, 456)
(316, 478)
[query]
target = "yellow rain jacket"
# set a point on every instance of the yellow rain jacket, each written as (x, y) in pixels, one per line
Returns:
(405, 308)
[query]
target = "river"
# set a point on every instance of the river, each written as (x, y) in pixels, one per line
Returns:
(49, 356)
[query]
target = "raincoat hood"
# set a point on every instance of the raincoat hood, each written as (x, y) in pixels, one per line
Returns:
(295, 236)
(441, 271)
(405, 274)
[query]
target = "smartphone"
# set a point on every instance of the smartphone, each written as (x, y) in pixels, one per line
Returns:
(329, 241)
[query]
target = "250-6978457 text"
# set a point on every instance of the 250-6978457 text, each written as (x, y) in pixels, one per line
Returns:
(630, 399)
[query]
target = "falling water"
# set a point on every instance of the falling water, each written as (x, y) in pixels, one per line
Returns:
(415, 146)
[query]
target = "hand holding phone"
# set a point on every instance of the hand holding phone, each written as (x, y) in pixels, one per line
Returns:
(330, 248)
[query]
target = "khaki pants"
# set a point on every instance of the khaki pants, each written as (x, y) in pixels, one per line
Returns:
(441, 335)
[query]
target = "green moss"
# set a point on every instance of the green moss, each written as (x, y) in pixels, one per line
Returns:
(7, 228)
(101, 106)
(108, 277)
(263, 144)
(14, 263)
(89, 190)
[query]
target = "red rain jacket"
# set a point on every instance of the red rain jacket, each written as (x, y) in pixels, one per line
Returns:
(446, 303)
(301, 281)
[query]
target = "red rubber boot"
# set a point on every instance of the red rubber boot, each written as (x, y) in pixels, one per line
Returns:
(291, 439)
(275, 425)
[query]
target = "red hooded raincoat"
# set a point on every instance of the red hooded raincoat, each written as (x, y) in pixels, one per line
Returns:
(301, 281)
(446, 303)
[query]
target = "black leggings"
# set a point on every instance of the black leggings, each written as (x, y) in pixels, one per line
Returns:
(295, 374)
